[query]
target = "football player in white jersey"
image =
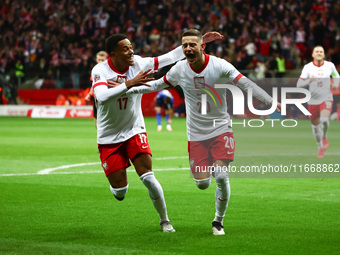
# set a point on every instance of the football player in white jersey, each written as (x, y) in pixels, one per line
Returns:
(121, 134)
(317, 75)
(210, 146)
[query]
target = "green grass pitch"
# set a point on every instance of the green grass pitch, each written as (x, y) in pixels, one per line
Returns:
(70, 209)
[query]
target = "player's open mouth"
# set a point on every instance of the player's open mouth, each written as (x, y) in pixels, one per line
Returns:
(190, 57)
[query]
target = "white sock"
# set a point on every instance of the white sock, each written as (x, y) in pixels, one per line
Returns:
(156, 194)
(317, 132)
(325, 124)
(222, 196)
(119, 192)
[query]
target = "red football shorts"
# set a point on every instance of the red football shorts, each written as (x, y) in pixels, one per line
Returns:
(118, 155)
(205, 153)
(316, 109)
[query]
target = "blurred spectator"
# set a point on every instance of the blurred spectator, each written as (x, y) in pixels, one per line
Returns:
(61, 100)
(287, 42)
(80, 99)
(101, 56)
(265, 45)
(281, 65)
(11, 91)
(19, 72)
(271, 66)
(2, 97)
(250, 49)
(300, 39)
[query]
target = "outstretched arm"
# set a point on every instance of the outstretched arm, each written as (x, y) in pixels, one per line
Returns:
(169, 58)
(211, 36)
(305, 78)
(103, 93)
(302, 83)
(246, 84)
(152, 87)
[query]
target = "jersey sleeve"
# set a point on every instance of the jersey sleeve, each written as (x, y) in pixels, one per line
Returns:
(244, 83)
(170, 57)
(171, 77)
(303, 81)
(164, 60)
(335, 73)
(147, 63)
(99, 84)
(335, 76)
(230, 71)
(304, 74)
(98, 76)
(153, 86)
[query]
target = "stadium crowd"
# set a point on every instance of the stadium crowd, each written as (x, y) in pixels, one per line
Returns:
(58, 40)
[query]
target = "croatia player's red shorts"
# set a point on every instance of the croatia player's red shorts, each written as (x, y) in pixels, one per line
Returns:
(205, 153)
(117, 156)
(316, 109)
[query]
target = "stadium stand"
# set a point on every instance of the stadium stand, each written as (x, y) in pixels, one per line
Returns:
(56, 41)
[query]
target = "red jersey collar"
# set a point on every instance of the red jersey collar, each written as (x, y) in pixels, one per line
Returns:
(204, 65)
(114, 69)
(319, 65)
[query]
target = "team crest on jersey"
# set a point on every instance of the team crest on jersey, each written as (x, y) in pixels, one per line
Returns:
(96, 77)
(105, 166)
(199, 82)
(320, 72)
(192, 162)
(121, 79)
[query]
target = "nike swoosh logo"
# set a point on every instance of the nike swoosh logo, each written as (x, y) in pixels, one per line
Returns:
(144, 147)
(230, 152)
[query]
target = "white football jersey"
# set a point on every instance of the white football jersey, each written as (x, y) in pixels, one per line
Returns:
(194, 84)
(119, 118)
(320, 87)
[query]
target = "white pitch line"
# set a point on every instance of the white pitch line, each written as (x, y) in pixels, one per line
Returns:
(50, 170)
(94, 172)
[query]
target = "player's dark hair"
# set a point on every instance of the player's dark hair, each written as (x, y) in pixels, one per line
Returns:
(193, 32)
(318, 46)
(167, 100)
(112, 42)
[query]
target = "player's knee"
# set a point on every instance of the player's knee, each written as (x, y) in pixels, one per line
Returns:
(221, 177)
(324, 119)
(119, 193)
(147, 177)
(203, 183)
